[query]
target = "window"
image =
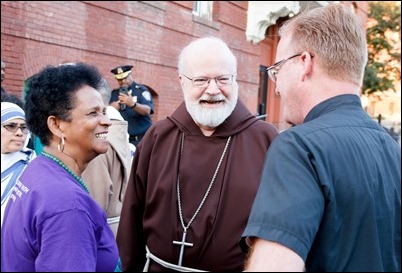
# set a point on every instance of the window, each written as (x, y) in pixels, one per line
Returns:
(203, 9)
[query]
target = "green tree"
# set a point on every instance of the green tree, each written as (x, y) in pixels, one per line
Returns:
(384, 50)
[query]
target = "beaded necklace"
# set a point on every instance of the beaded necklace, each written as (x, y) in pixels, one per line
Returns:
(58, 161)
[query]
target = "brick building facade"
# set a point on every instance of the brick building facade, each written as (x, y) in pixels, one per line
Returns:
(148, 35)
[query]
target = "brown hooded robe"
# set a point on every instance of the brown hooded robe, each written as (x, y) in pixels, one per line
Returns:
(150, 210)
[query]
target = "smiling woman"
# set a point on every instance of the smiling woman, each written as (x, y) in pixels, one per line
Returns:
(65, 110)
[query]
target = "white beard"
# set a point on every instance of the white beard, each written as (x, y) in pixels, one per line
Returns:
(211, 117)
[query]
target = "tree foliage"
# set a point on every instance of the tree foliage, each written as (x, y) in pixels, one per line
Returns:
(384, 50)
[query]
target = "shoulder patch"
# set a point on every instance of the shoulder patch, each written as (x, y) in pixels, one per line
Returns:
(146, 95)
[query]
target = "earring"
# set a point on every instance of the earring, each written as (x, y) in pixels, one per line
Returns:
(60, 146)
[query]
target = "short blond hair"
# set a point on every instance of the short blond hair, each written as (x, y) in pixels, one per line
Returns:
(335, 34)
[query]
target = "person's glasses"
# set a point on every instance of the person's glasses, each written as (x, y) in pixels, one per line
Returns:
(204, 81)
(274, 69)
(13, 127)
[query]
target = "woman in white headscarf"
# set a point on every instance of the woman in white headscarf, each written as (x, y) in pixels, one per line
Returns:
(14, 154)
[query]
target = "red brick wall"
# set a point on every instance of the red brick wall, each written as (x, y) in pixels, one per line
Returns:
(146, 34)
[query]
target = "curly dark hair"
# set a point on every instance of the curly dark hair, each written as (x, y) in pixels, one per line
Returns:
(51, 92)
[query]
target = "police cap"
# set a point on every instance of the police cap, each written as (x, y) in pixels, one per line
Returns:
(122, 71)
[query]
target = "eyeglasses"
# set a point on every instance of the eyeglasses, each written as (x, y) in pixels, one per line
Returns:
(13, 127)
(204, 81)
(274, 69)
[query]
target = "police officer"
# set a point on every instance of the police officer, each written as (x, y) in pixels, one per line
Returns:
(134, 102)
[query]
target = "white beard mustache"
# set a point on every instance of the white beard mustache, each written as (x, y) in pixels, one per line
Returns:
(211, 117)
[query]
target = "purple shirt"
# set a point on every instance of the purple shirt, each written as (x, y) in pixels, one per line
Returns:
(52, 224)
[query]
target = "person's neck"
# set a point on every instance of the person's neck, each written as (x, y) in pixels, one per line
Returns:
(327, 89)
(206, 131)
(67, 159)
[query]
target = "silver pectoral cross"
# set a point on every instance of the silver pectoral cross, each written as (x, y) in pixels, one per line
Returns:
(183, 243)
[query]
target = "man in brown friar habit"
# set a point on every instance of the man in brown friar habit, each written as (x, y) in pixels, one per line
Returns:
(196, 173)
